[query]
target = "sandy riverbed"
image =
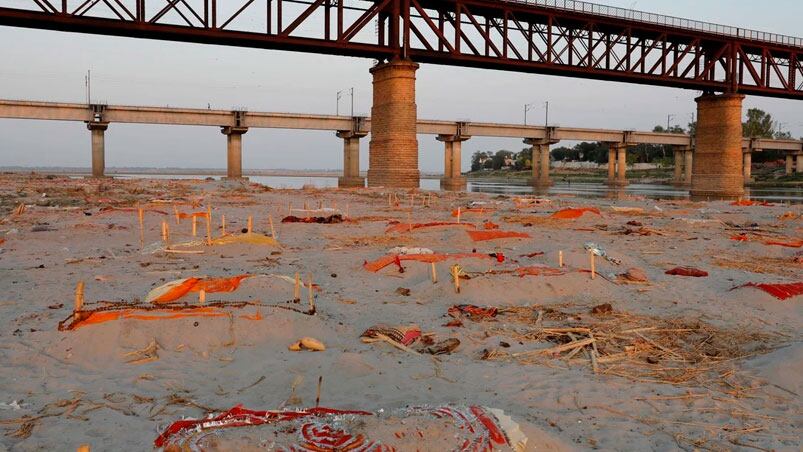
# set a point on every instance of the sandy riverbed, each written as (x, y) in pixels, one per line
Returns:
(682, 362)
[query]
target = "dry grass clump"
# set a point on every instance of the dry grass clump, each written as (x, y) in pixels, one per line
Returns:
(761, 264)
(638, 347)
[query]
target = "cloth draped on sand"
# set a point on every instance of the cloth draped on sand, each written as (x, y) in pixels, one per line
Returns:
(570, 214)
(384, 261)
(472, 428)
(406, 227)
(779, 291)
(495, 234)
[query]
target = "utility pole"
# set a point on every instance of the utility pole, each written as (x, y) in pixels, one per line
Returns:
(352, 102)
(88, 83)
(546, 119)
(669, 118)
(337, 108)
(527, 107)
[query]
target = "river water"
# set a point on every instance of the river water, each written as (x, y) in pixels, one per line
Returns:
(591, 190)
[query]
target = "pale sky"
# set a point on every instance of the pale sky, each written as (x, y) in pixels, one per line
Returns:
(50, 66)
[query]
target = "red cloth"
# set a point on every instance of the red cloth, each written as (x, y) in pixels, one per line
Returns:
(779, 291)
(481, 236)
(404, 227)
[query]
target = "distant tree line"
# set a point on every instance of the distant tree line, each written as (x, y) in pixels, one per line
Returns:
(758, 124)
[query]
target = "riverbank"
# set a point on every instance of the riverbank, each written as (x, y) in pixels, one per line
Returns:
(632, 358)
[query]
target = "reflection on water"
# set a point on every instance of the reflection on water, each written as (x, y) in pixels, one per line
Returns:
(589, 190)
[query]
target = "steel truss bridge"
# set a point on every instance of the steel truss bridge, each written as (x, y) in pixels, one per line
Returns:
(556, 37)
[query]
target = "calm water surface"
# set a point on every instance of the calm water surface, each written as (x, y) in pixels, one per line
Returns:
(590, 190)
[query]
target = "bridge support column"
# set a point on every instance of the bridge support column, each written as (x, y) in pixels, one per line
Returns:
(688, 162)
(98, 131)
(617, 164)
(677, 177)
(234, 142)
(747, 166)
(799, 164)
(453, 179)
(540, 162)
(717, 170)
(611, 164)
(393, 150)
(790, 160)
(351, 160)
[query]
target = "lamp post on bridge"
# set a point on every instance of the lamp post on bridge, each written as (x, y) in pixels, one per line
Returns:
(339, 95)
(528, 107)
(668, 119)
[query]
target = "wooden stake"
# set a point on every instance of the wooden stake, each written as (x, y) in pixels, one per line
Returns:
(178, 218)
(141, 215)
(167, 235)
(222, 225)
(202, 296)
(272, 231)
(194, 226)
(164, 231)
(250, 226)
(208, 225)
(410, 221)
(434, 274)
(347, 210)
(560, 259)
(458, 215)
(311, 298)
(318, 392)
(456, 276)
(79, 297)
(593, 264)
(297, 288)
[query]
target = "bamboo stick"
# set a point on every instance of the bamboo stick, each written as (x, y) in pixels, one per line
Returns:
(222, 225)
(593, 264)
(178, 218)
(557, 349)
(311, 297)
(79, 297)
(202, 296)
(208, 225)
(297, 288)
(458, 215)
(272, 230)
(560, 259)
(141, 215)
(194, 226)
(250, 224)
(434, 273)
(318, 392)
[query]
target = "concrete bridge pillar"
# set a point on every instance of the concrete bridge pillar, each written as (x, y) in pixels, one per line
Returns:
(747, 165)
(718, 165)
(790, 161)
(453, 179)
(617, 164)
(688, 162)
(677, 177)
(393, 150)
(351, 159)
(98, 131)
(799, 164)
(540, 162)
(234, 141)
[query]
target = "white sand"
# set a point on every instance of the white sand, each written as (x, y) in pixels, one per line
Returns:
(119, 406)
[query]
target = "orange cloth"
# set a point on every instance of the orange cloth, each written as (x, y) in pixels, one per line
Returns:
(384, 261)
(493, 234)
(404, 227)
(210, 285)
(94, 318)
(476, 210)
(570, 214)
(193, 214)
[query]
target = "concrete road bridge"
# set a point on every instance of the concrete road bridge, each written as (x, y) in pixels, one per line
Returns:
(234, 124)
(557, 37)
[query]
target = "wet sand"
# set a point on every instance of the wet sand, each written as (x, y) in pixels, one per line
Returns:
(663, 385)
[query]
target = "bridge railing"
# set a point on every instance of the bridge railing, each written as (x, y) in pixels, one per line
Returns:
(659, 19)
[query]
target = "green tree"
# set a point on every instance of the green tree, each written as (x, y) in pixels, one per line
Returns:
(478, 160)
(500, 157)
(524, 159)
(758, 125)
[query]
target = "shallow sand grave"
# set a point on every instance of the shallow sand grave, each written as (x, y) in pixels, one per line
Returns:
(118, 384)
